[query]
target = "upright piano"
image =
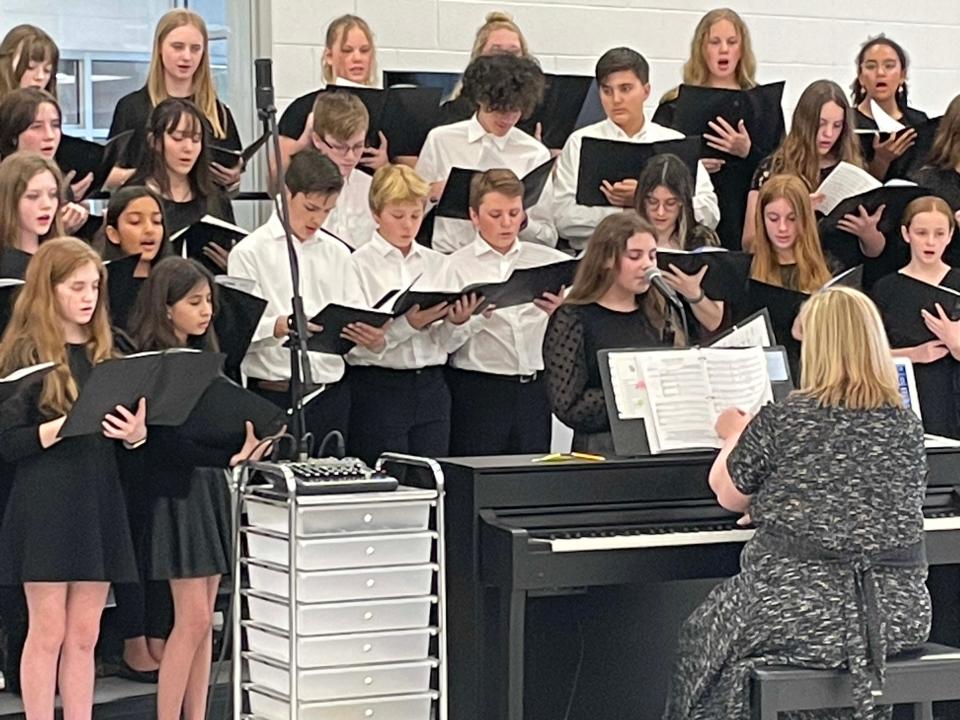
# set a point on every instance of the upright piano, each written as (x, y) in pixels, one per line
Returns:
(567, 582)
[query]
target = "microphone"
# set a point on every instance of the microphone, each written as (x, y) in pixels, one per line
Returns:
(655, 278)
(263, 74)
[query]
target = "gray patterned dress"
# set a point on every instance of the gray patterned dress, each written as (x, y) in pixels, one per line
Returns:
(850, 483)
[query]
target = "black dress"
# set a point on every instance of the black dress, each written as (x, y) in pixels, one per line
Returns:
(575, 333)
(900, 167)
(65, 519)
(900, 299)
(133, 111)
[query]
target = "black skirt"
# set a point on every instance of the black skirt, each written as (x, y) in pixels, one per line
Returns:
(190, 537)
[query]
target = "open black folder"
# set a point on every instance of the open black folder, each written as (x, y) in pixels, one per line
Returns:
(758, 107)
(238, 314)
(914, 158)
(727, 270)
(557, 113)
(230, 158)
(615, 160)
(9, 288)
(404, 114)
(171, 381)
(218, 419)
(86, 156)
(333, 319)
(455, 200)
(24, 377)
(191, 240)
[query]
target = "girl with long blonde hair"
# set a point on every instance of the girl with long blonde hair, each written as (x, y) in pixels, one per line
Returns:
(179, 68)
(64, 532)
(350, 53)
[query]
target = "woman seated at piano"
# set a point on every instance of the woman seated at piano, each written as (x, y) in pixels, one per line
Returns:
(833, 478)
(920, 318)
(610, 305)
(175, 164)
(821, 137)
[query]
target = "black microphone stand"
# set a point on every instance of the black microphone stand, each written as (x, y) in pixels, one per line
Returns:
(299, 358)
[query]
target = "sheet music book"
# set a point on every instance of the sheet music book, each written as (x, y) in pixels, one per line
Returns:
(238, 314)
(679, 394)
(334, 318)
(885, 122)
(12, 383)
(230, 158)
(190, 241)
(845, 181)
(753, 331)
(454, 202)
(86, 156)
(557, 113)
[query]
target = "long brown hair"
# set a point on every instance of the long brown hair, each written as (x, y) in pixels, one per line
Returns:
(600, 264)
(170, 281)
(22, 45)
(812, 271)
(669, 171)
(798, 154)
(18, 110)
(946, 145)
(16, 172)
(35, 332)
(203, 91)
(695, 70)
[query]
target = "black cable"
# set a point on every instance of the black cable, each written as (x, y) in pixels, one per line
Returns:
(576, 673)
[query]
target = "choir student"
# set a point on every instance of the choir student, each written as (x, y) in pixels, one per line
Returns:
(399, 397)
(28, 58)
(339, 130)
(350, 54)
(821, 136)
(503, 89)
(187, 526)
(787, 252)
(499, 402)
(175, 164)
(882, 78)
(30, 191)
(721, 56)
(833, 477)
(327, 275)
(610, 305)
(65, 533)
(623, 77)
(30, 121)
(179, 68)
(941, 174)
(499, 35)
(919, 321)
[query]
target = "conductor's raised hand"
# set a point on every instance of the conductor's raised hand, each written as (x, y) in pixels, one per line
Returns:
(254, 448)
(420, 319)
(130, 427)
(371, 337)
(463, 308)
(731, 422)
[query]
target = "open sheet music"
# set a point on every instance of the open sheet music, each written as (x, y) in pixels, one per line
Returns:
(845, 181)
(680, 393)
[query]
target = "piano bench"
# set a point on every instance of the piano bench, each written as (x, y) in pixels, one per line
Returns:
(920, 677)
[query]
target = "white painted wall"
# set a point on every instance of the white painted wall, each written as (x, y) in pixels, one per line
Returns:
(795, 41)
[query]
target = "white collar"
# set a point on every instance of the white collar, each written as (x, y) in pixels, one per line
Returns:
(384, 248)
(476, 132)
(621, 133)
(482, 247)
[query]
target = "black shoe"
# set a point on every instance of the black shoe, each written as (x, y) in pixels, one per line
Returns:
(149, 677)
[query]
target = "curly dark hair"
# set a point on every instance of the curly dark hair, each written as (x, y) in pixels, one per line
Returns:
(504, 82)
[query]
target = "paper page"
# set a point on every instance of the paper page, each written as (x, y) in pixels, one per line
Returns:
(845, 181)
(237, 283)
(10, 282)
(750, 334)
(852, 278)
(885, 123)
(677, 388)
(738, 378)
(629, 390)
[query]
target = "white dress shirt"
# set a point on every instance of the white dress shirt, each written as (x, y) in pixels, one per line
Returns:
(382, 268)
(467, 145)
(326, 276)
(510, 342)
(577, 222)
(351, 220)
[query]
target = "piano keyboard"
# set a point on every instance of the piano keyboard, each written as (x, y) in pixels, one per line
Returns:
(705, 537)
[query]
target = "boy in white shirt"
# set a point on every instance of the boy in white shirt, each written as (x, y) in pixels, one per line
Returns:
(623, 78)
(326, 276)
(499, 401)
(399, 397)
(504, 89)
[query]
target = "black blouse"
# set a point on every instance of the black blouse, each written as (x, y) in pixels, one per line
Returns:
(900, 167)
(574, 335)
(764, 171)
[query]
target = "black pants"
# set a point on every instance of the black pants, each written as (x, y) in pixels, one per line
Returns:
(330, 410)
(497, 414)
(406, 411)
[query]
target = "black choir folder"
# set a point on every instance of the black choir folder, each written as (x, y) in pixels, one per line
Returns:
(915, 157)
(171, 381)
(455, 200)
(238, 314)
(9, 288)
(333, 319)
(727, 271)
(86, 156)
(190, 241)
(615, 160)
(557, 113)
(24, 377)
(759, 108)
(663, 399)
(230, 158)
(218, 419)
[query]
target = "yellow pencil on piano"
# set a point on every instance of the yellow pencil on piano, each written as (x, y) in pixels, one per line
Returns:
(568, 457)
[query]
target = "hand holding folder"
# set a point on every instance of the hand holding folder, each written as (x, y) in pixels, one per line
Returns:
(230, 158)
(85, 157)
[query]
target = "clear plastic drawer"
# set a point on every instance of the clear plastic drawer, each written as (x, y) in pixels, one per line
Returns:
(339, 650)
(337, 585)
(353, 551)
(344, 617)
(346, 516)
(404, 707)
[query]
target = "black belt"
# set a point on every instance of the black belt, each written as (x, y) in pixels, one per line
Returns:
(398, 372)
(862, 566)
(522, 379)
